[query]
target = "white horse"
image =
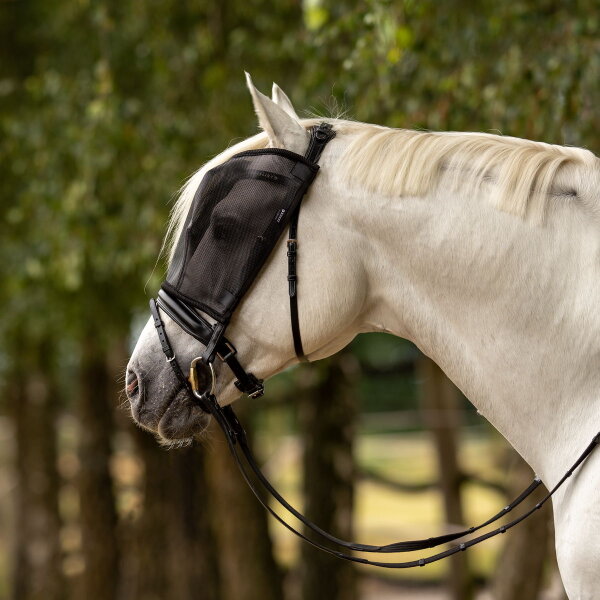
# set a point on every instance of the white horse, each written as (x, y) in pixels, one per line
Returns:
(483, 250)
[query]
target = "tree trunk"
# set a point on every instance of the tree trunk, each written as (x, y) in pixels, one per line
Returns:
(520, 567)
(37, 569)
(247, 566)
(149, 551)
(98, 517)
(175, 553)
(192, 548)
(439, 401)
(328, 419)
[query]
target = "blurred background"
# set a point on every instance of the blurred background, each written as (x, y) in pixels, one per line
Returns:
(105, 108)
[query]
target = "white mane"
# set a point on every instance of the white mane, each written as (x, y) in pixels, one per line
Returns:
(403, 162)
(400, 162)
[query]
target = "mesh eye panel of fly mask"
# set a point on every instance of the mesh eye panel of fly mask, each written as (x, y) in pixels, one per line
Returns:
(239, 212)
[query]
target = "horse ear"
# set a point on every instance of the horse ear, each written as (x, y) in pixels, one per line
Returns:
(283, 130)
(281, 99)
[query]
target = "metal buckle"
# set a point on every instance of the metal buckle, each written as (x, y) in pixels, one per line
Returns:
(202, 378)
(258, 393)
(259, 387)
(232, 352)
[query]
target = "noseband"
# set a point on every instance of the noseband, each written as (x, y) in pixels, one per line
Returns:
(186, 291)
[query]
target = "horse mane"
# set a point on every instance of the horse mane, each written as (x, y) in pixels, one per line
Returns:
(520, 174)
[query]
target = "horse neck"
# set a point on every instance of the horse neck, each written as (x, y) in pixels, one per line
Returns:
(508, 309)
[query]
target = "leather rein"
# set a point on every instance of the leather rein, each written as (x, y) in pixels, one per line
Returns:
(200, 386)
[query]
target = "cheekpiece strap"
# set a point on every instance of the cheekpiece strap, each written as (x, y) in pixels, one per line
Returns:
(166, 345)
(319, 137)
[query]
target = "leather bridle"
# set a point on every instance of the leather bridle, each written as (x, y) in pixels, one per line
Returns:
(200, 386)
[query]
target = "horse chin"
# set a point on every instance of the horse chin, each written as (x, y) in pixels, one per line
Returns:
(182, 423)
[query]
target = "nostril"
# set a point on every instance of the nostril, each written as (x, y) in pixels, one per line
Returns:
(132, 386)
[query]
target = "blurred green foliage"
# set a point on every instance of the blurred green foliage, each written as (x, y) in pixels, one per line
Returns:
(106, 107)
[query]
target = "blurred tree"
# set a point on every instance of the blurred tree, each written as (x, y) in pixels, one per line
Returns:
(244, 549)
(193, 562)
(328, 408)
(97, 508)
(147, 574)
(37, 567)
(523, 68)
(439, 400)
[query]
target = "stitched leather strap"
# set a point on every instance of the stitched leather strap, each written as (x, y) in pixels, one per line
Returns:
(292, 245)
(236, 438)
(319, 138)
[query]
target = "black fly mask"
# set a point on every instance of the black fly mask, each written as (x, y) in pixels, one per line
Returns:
(238, 214)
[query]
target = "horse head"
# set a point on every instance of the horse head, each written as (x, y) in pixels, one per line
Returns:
(331, 289)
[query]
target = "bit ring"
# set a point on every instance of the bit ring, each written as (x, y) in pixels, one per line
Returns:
(198, 380)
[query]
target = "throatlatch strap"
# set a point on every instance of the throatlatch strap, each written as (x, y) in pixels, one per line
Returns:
(319, 137)
(292, 245)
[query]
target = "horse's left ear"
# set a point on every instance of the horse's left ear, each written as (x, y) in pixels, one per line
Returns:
(284, 129)
(281, 99)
